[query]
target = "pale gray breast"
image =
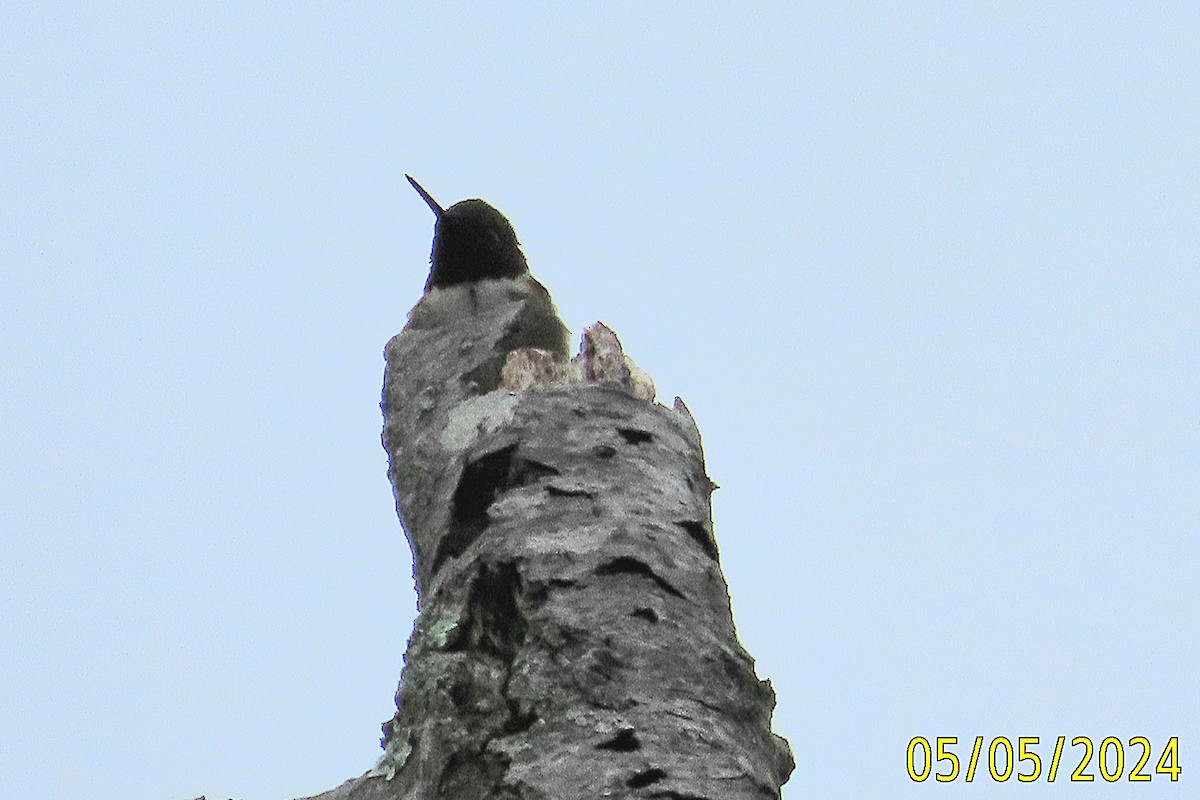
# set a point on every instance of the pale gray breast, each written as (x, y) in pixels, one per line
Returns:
(520, 307)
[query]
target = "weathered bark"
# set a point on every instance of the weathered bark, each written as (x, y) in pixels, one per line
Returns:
(574, 637)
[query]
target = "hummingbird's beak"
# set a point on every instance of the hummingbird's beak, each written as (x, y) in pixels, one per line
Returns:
(427, 197)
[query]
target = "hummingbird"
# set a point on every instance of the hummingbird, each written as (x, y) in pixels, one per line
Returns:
(476, 262)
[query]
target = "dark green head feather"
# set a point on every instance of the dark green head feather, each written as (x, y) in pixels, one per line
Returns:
(471, 241)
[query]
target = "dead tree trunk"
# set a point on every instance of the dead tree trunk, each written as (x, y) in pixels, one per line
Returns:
(574, 638)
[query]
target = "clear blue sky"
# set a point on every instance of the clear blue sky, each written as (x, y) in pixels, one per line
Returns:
(926, 274)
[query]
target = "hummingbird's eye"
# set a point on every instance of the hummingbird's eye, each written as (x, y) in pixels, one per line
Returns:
(495, 236)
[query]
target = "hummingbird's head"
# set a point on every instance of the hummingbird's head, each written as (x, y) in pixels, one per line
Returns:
(471, 241)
